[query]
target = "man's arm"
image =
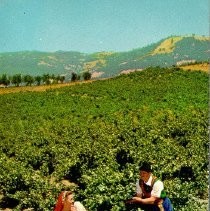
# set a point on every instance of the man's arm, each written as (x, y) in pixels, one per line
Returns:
(131, 200)
(138, 194)
(150, 200)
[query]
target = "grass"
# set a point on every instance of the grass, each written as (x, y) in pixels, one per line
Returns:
(194, 67)
(167, 45)
(40, 88)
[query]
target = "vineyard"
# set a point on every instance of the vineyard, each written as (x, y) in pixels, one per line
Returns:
(91, 137)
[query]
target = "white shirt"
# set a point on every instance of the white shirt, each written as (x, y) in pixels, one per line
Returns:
(79, 206)
(156, 190)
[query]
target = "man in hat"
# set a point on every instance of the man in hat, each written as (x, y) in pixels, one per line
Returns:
(150, 194)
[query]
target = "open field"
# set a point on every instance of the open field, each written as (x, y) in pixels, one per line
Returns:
(203, 67)
(41, 88)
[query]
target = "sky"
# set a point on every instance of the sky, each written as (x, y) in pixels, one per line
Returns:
(90, 26)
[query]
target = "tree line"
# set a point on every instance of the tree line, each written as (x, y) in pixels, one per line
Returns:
(47, 79)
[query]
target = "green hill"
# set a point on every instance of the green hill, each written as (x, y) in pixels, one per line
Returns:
(38, 63)
(94, 135)
(174, 50)
(166, 53)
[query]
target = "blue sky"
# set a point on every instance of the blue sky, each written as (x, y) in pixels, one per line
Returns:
(97, 25)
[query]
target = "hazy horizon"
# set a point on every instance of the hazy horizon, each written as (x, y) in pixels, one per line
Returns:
(89, 26)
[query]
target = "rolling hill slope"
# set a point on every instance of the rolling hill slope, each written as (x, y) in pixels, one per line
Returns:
(174, 50)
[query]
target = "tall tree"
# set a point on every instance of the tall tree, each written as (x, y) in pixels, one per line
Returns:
(38, 80)
(53, 79)
(28, 79)
(4, 80)
(17, 79)
(86, 76)
(62, 78)
(73, 76)
(46, 79)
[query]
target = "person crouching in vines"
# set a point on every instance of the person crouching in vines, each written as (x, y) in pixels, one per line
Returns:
(65, 202)
(150, 194)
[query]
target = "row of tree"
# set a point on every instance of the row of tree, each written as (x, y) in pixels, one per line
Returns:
(47, 79)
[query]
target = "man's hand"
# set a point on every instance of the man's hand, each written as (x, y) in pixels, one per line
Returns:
(134, 200)
(129, 201)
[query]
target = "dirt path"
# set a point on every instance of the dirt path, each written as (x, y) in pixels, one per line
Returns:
(41, 88)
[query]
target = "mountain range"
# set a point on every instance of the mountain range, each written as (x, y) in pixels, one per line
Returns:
(171, 51)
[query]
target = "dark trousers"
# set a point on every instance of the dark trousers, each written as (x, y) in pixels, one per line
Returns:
(145, 207)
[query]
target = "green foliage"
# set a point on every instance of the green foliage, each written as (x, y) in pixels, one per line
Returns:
(28, 79)
(38, 80)
(86, 76)
(95, 135)
(17, 79)
(4, 79)
(74, 77)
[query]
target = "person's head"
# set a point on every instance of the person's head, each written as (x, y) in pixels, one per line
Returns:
(145, 171)
(69, 196)
(68, 203)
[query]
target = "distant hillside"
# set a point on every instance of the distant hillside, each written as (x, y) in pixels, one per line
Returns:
(38, 63)
(174, 50)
